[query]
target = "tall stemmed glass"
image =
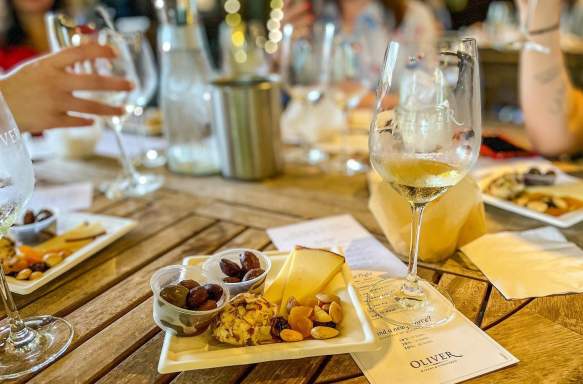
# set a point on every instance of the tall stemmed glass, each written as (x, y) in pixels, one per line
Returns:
(351, 80)
(305, 72)
(26, 345)
(64, 32)
(422, 145)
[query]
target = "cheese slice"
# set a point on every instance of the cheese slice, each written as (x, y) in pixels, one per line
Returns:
(310, 271)
(274, 292)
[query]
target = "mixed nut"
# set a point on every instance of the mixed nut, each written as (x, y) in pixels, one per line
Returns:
(189, 294)
(249, 268)
(318, 317)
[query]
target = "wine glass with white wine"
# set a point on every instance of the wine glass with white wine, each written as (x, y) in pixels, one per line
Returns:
(26, 345)
(424, 138)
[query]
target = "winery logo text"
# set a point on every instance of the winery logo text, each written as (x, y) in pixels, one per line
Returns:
(9, 137)
(434, 361)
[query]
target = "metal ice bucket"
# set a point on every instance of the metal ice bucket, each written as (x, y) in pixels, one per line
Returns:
(246, 113)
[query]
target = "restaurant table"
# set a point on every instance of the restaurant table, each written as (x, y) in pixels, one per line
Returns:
(108, 300)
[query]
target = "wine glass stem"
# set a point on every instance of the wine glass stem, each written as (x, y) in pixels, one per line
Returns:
(126, 163)
(411, 285)
(19, 333)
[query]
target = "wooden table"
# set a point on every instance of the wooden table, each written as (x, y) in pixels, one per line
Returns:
(108, 300)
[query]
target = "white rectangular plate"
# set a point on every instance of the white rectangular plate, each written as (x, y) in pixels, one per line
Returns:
(357, 335)
(116, 227)
(486, 176)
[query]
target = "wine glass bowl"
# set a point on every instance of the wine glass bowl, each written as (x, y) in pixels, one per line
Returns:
(424, 138)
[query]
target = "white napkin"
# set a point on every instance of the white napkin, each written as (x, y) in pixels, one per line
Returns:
(534, 263)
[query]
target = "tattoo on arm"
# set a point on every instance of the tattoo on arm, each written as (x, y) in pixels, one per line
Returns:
(557, 92)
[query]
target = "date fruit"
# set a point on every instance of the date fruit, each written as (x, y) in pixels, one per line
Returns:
(215, 292)
(231, 280)
(189, 284)
(249, 261)
(230, 268)
(196, 297)
(207, 305)
(253, 273)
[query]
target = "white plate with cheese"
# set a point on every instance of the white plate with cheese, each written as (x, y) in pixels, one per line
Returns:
(200, 352)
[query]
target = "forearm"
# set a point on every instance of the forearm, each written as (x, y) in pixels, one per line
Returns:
(544, 88)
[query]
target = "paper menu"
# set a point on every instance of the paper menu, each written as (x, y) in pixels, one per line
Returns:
(454, 352)
(451, 353)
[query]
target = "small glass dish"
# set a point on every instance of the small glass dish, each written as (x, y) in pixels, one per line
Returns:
(180, 321)
(211, 268)
(37, 232)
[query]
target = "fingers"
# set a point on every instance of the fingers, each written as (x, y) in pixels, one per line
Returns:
(92, 82)
(91, 107)
(89, 51)
(66, 121)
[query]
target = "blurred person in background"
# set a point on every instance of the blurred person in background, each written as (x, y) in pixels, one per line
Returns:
(24, 36)
(552, 107)
(40, 93)
(376, 20)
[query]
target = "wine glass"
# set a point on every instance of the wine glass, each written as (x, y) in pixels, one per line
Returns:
(64, 32)
(133, 30)
(424, 138)
(28, 344)
(351, 79)
(305, 73)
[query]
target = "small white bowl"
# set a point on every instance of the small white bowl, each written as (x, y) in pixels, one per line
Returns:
(212, 269)
(31, 234)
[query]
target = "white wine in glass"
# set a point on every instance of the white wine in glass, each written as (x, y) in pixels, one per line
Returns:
(423, 140)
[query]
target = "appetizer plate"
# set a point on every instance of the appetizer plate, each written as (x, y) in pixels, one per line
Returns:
(357, 334)
(116, 227)
(564, 185)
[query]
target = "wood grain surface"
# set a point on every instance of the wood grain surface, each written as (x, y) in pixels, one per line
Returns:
(108, 300)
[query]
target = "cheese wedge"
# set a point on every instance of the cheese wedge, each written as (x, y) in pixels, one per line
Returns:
(310, 271)
(274, 292)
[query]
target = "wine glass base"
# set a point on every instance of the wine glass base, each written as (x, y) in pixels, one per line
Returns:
(141, 185)
(152, 159)
(53, 337)
(430, 308)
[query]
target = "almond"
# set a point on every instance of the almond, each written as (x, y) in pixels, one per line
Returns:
(321, 316)
(322, 333)
(326, 298)
(290, 335)
(335, 312)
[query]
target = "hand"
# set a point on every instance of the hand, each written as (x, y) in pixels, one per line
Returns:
(40, 93)
(546, 14)
(299, 14)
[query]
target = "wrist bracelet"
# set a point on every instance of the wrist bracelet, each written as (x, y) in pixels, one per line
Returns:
(542, 31)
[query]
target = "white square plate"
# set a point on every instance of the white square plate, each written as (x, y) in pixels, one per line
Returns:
(487, 175)
(116, 227)
(357, 335)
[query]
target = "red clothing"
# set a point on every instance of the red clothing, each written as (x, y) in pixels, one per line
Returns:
(14, 55)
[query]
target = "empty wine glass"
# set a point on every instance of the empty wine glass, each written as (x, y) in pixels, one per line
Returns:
(65, 33)
(424, 138)
(133, 29)
(351, 80)
(28, 344)
(305, 72)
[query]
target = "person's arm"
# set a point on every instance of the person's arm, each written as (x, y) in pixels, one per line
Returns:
(40, 93)
(545, 87)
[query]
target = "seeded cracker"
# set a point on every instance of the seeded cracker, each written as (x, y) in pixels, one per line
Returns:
(246, 320)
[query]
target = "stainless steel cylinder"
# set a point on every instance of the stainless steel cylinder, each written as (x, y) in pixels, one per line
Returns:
(246, 113)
